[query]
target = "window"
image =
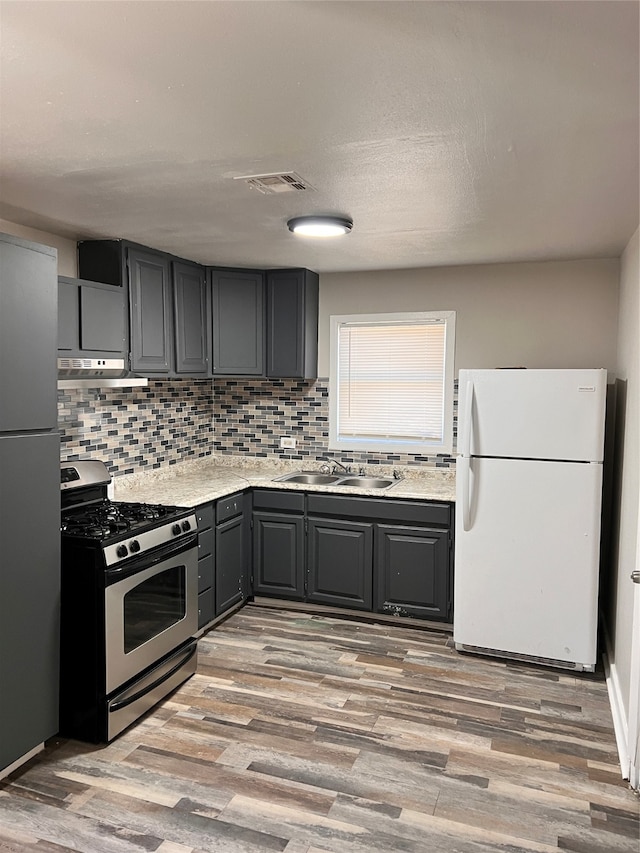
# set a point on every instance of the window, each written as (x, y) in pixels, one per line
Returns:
(391, 382)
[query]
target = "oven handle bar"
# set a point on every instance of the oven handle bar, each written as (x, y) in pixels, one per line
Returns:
(129, 700)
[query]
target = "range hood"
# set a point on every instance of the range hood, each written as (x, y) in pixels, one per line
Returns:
(82, 372)
(92, 368)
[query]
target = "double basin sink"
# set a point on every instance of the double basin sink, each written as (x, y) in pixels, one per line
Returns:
(313, 478)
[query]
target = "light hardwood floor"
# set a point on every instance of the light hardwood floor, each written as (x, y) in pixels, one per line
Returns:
(306, 733)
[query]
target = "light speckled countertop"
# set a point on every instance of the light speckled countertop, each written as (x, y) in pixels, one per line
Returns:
(199, 481)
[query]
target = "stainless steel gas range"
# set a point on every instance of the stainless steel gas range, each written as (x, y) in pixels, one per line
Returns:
(129, 604)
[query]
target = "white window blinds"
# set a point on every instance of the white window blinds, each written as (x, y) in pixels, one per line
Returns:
(391, 383)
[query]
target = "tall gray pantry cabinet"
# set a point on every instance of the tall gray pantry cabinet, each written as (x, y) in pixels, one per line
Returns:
(29, 498)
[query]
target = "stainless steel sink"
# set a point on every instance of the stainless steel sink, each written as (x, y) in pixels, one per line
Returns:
(367, 482)
(314, 478)
(310, 478)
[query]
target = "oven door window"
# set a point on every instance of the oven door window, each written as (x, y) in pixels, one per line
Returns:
(154, 605)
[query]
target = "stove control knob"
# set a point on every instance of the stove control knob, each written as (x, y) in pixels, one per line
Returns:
(134, 546)
(122, 551)
(186, 525)
(176, 529)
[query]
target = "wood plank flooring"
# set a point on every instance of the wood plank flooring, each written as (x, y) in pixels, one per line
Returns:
(307, 733)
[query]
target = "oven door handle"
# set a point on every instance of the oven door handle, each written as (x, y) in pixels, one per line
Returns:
(129, 700)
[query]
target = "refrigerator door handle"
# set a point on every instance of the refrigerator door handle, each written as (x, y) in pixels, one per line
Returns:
(468, 426)
(464, 462)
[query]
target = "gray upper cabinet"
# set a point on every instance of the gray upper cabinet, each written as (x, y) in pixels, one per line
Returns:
(190, 312)
(237, 322)
(167, 305)
(151, 313)
(292, 324)
(91, 319)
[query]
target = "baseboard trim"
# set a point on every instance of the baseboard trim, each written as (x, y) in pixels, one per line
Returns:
(22, 760)
(620, 725)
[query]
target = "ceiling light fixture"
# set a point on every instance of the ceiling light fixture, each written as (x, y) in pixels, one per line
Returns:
(320, 226)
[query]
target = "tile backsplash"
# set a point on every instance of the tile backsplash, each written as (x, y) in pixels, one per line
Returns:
(170, 421)
(251, 416)
(131, 428)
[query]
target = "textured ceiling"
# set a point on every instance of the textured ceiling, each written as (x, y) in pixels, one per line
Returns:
(451, 132)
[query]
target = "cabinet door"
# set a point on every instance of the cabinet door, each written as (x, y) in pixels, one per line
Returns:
(150, 306)
(229, 571)
(278, 555)
(102, 319)
(292, 323)
(412, 572)
(189, 300)
(340, 563)
(238, 323)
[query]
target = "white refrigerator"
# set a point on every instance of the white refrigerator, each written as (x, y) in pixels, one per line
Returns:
(528, 502)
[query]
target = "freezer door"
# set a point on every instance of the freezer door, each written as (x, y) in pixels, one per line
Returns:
(526, 569)
(532, 414)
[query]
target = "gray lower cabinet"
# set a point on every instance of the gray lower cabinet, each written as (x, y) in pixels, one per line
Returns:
(278, 555)
(230, 573)
(381, 555)
(412, 572)
(339, 563)
(206, 564)
(237, 305)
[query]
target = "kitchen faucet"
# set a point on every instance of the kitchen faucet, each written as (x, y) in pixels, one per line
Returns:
(336, 463)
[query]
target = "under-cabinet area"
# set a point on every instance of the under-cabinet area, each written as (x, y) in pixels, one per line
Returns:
(376, 555)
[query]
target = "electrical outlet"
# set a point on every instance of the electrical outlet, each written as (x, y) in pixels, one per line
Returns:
(287, 441)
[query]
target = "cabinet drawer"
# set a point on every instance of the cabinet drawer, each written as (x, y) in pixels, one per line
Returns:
(205, 543)
(278, 499)
(404, 512)
(204, 514)
(206, 609)
(205, 573)
(229, 507)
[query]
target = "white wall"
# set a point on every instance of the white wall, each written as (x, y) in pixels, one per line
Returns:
(547, 314)
(627, 475)
(67, 253)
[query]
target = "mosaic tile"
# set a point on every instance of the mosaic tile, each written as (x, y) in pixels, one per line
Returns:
(170, 421)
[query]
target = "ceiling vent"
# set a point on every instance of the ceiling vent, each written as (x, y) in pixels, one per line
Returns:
(277, 182)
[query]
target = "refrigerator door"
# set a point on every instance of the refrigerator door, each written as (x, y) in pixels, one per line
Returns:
(526, 569)
(533, 414)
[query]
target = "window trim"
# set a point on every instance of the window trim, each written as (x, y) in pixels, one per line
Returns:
(364, 445)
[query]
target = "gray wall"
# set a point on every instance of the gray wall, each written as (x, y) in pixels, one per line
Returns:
(546, 314)
(67, 252)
